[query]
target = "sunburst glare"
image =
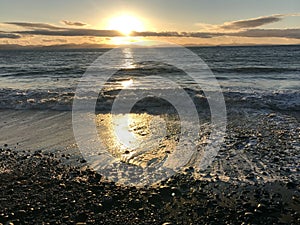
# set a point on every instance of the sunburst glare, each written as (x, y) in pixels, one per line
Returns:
(125, 24)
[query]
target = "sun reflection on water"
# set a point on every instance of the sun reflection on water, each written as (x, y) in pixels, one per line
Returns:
(127, 83)
(135, 138)
(128, 58)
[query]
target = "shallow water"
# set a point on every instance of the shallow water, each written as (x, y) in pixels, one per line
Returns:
(261, 143)
(39, 79)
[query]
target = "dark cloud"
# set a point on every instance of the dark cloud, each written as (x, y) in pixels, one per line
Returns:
(155, 34)
(268, 33)
(51, 30)
(9, 35)
(201, 34)
(55, 40)
(71, 23)
(73, 32)
(35, 25)
(281, 33)
(173, 34)
(252, 23)
(246, 23)
(242, 28)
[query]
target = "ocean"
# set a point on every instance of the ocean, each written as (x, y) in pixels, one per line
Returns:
(47, 79)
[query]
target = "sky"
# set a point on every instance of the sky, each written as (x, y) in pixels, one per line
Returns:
(189, 22)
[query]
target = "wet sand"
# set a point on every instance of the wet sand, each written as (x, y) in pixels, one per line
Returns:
(253, 180)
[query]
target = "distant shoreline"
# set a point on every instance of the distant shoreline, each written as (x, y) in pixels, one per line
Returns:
(95, 46)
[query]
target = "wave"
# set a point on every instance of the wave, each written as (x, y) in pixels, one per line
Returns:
(63, 72)
(255, 70)
(62, 99)
(76, 73)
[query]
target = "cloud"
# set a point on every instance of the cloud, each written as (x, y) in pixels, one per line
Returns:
(244, 24)
(71, 23)
(240, 28)
(73, 32)
(35, 25)
(268, 33)
(9, 35)
(155, 34)
(173, 34)
(253, 22)
(281, 33)
(256, 33)
(52, 30)
(54, 40)
(201, 34)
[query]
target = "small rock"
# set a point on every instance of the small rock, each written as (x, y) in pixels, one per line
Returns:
(276, 159)
(271, 115)
(250, 176)
(81, 217)
(82, 161)
(291, 185)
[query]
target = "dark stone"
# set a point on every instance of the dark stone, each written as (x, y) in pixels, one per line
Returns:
(82, 161)
(81, 217)
(276, 159)
(291, 185)
(107, 202)
(250, 176)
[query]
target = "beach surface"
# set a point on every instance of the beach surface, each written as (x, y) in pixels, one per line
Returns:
(254, 178)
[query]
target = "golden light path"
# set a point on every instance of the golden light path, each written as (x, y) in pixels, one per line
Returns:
(131, 138)
(127, 83)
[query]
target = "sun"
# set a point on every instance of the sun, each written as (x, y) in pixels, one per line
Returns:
(125, 24)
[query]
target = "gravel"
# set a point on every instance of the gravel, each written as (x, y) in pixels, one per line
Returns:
(253, 180)
(39, 189)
